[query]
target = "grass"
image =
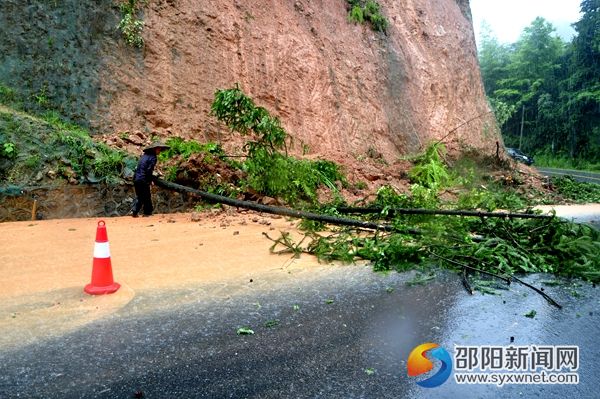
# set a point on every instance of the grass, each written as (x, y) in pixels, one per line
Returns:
(573, 190)
(40, 143)
(564, 162)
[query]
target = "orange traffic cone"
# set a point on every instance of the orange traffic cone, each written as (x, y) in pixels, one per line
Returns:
(102, 277)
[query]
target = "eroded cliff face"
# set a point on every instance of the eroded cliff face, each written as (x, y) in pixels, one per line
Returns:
(338, 87)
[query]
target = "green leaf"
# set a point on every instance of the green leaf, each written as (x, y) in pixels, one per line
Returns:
(531, 314)
(245, 331)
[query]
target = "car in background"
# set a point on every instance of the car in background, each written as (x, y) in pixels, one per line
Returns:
(517, 155)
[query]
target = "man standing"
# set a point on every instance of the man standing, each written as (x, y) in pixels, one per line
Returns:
(143, 178)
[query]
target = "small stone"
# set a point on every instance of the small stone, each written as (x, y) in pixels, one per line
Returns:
(171, 221)
(195, 217)
(268, 200)
(235, 233)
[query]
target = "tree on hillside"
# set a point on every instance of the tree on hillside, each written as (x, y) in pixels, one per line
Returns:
(583, 104)
(531, 85)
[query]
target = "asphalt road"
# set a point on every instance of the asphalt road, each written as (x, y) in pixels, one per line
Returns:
(345, 334)
(583, 176)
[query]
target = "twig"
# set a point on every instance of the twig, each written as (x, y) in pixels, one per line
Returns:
(463, 265)
(465, 281)
(542, 293)
(448, 212)
(461, 125)
(512, 277)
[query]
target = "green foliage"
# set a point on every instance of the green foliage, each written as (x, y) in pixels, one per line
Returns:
(550, 86)
(429, 170)
(269, 171)
(130, 25)
(576, 191)
(356, 14)
(388, 198)
(8, 150)
(367, 10)
(240, 114)
(272, 323)
(186, 148)
(41, 98)
(531, 314)
(277, 175)
(500, 246)
(46, 141)
(546, 158)
(107, 162)
(502, 111)
(171, 173)
(33, 161)
(8, 96)
(87, 159)
(491, 199)
(504, 246)
(245, 331)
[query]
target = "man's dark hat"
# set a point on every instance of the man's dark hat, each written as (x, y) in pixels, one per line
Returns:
(157, 144)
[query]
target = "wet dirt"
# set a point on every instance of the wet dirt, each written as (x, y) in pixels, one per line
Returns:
(44, 265)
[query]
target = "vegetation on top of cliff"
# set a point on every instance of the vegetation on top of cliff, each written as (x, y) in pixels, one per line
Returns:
(367, 10)
(131, 26)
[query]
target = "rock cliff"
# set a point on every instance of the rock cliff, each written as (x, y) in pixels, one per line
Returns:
(338, 87)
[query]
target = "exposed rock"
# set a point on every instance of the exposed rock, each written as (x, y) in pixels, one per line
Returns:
(268, 200)
(338, 87)
(195, 217)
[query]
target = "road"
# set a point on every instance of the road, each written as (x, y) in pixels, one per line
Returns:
(321, 331)
(579, 175)
(341, 336)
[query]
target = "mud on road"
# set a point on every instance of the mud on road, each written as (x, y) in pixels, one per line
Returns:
(44, 265)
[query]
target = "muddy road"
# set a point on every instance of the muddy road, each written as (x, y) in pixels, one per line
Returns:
(320, 330)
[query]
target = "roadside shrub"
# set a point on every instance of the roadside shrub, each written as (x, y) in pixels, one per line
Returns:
(429, 170)
(269, 169)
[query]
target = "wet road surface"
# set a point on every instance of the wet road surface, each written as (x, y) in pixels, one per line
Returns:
(344, 334)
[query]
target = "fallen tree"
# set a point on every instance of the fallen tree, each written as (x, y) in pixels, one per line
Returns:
(396, 245)
(277, 210)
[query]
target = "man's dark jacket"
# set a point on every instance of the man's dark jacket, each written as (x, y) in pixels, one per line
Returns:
(143, 172)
